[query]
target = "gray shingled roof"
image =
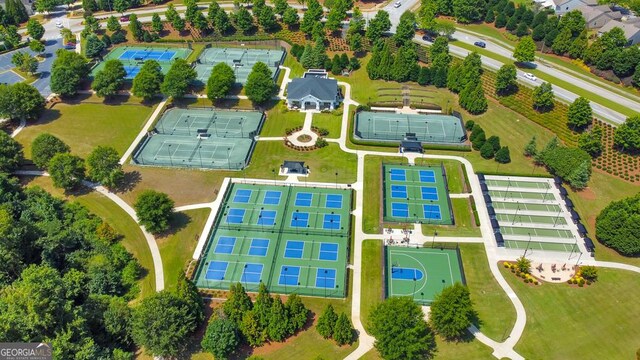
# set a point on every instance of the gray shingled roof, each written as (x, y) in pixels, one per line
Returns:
(321, 89)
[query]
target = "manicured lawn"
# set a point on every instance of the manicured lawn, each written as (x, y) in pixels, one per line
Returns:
(372, 277)
(495, 311)
(177, 248)
(600, 321)
(464, 222)
(296, 68)
(373, 188)
(329, 121)
(453, 169)
(132, 238)
(83, 126)
(279, 119)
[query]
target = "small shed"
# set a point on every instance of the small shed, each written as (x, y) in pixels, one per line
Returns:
(294, 167)
(411, 146)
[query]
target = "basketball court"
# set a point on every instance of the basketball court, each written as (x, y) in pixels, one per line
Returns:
(433, 128)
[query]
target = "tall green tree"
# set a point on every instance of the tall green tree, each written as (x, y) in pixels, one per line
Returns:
(380, 24)
(148, 81)
(220, 81)
(452, 311)
(35, 29)
(110, 79)
(238, 303)
(135, 27)
(179, 77)
(260, 85)
(252, 331)
(343, 332)
(278, 321)
(297, 313)
(113, 24)
(579, 114)
(103, 166)
(591, 141)
(10, 153)
(20, 101)
(525, 50)
(405, 29)
(243, 20)
(311, 17)
(627, 135)
(400, 330)
(221, 338)
(467, 11)
(154, 210)
(44, 147)
(543, 97)
(327, 322)
(617, 226)
(67, 72)
(156, 23)
(67, 171)
(506, 80)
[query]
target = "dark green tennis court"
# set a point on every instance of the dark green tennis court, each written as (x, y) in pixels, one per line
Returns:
(432, 128)
(133, 57)
(421, 273)
(293, 239)
(241, 60)
(416, 194)
(201, 138)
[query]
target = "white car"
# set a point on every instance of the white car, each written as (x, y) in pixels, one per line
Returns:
(397, 4)
(530, 76)
(59, 24)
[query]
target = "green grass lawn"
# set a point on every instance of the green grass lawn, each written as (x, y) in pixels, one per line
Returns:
(85, 125)
(329, 121)
(453, 169)
(279, 119)
(449, 350)
(296, 68)
(372, 277)
(600, 321)
(464, 222)
(373, 188)
(132, 238)
(177, 248)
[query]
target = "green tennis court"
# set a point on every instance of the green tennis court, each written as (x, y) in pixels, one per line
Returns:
(539, 245)
(133, 57)
(552, 208)
(241, 60)
(536, 232)
(497, 194)
(266, 234)
(531, 219)
(201, 138)
(430, 128)
(421, 273)
(518, 184)
(416, 194)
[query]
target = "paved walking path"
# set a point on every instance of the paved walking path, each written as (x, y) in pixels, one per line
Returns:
(306, 130)
(144, 131)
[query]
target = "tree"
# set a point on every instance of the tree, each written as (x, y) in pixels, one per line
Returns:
(238, 303)
(178, 24)
(66, 170)
(591, 141)
(627, 135)
(343, 332)
(290, 17)
(35, 29)
(176, 82)
(16, 11)
(121, 5)
(260, 85)
(336, 14)
(278, 322)
(110, 79)
(579, 114)
(44, 147)
(523, 264)
(148, 81)
(280, 6)
(618, 226)
(243, 20)
(562, 42)
(297, 313)
(311, 17)
(467, 11)
(472, 98)
(253, 333)
(221, 338)
(355, 43)
(589, 273)
(162, 323)
(220, 81)
(267, 18)
(543, 97)
(25, 62)
(327, 322)
(503, 156)
(378, 26)
(154, 210)
(68, 70)
(135, 27)
(400, 330)
(262, 306)
(636, 77)
(10, 153)
(522, 30)
(506, 80)
(487, 151)
(20, 101)
(525, 50)
(531, 148)
(37, 46)
(156, 23)
(512, 24)
(571, 164)
(452, 311)
(113, 24)
(405, 29)
(103, 166)
(501, 20)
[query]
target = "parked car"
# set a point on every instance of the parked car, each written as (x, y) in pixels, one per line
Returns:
(481, 44)
(59, 24)
(124, 18)
(397, 4)
(530, 76)
(428, 38)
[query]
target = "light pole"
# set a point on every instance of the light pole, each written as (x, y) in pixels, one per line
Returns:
(508, 185)
(169, 152)
(516, 215)
(336, 179)
(325, 283)
(285, 279)
(555, 221)
(229, 157)
(413, 295)
(527, 248)
(244, 279)
(200, 154)
(433, 242)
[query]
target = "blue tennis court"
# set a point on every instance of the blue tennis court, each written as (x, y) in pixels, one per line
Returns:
(401, 273)
(326, 278)
(289, 275)
(303, 199)
(429, 193)
(294, 249)
(131, 71)
(252, 273)
(267, 217)
(432, 211)
(272, 198)
(398, 175)
(333, 201)
(427, 176)
(235, 216)
(331, 221)
(299, 219)
(259, 247)
(143, 55)
(242, 196)
(225, 245)
(328, 252)
(400, 209)
(216, 270)
(399, 191)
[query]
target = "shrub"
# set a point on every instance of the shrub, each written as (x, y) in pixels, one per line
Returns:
(487, 151)
(469, 125)
(617, 226)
